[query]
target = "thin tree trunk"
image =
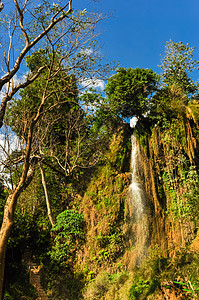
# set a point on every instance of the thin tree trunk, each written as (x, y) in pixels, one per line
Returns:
(4, 236)
(8, 217)
(8, 220)
(50, 216)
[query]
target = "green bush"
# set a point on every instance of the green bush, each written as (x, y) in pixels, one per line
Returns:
(70, 235)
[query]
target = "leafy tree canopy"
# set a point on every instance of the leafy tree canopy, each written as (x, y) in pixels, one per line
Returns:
(129, 91)
(60, 91)
(177, 64)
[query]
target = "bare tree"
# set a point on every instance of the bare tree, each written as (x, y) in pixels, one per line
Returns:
(16, 21)
(78, 151)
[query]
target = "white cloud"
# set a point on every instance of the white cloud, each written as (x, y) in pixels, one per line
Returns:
(16, 80)
(86, 51)
(19, 79)
(93, 83)
(9, 142)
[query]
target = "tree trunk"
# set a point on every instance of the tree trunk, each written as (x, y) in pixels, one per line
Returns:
(6, 227)
(50, 216)
(8, 220)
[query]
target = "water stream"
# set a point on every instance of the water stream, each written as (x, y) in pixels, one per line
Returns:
(137, 203)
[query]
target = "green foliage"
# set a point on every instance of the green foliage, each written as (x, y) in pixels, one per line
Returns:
(103, 118)
(70, 235)
(177, 65)
(138, 289)
(110, 245)
(3, 196)
(182, 274)
(191, 194)
(181, 206)
(67, 142)
(71, 222)
(25, 108)
(141, 133)
(190, 287)
(62, 124)
(129, 91)
(147, 277)
(177, 175)
(194, 107)
(105, 286)
(37, 60)
(103, 205)
(157, 271)
(32, 231)
(168, 103)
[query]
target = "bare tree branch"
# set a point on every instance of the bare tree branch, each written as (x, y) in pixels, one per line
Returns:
(50, 216)
(21, 21)
(29, 45)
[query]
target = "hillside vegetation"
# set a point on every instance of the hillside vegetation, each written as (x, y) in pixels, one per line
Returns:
(75, 216)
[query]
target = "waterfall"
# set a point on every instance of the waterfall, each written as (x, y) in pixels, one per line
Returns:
(136, 190)
(137, 205)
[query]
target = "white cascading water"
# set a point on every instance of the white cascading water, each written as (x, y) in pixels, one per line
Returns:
(137, 193)
(137, 202)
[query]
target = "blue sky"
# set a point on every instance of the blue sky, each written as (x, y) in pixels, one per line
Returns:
(137, 32)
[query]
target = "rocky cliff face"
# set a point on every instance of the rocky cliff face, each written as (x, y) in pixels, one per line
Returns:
(155, 231)
(169, 170)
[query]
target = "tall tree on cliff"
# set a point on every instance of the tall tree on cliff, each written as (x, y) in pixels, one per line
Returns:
(129, 91)
(178, 64)
(178, 87)
(62, 138)
(57, 29)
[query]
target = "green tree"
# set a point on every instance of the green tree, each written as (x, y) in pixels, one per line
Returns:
(168, 102)
(129, 91)
(64, 62)
(70, 235)
(29, 29)
(177, 65)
